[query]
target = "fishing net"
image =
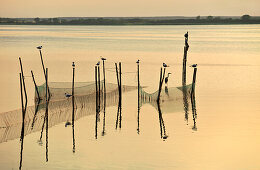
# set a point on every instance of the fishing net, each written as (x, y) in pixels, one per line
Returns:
(173, 99)
(59, 108)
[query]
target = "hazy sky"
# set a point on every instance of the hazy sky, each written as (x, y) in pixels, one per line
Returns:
(103, 8)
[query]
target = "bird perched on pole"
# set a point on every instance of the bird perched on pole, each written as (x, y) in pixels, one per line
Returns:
(186, 35)
(102, 58)
(138, 61)
(165, 65)
(68, 95)
(193, 65)
(167, 78)
(98, 63)
(73, 64)
(39, 47)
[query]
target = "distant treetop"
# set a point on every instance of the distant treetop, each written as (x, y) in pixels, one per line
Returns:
(246, 17)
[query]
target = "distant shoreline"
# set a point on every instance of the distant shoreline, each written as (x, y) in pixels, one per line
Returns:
(209, 20)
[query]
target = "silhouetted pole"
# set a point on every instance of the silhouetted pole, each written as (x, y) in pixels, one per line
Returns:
(138, 80)
(73, 107)
(161, 83)
(73, 102)
(46, 114)
(42, 63)
(99, 88)
(194, 81)
(43, 67)
(36, 88)
(21, 89)
(104, 98)
(120, 96)
(117, 77)
(104, 74)
(23, 116)
(24, 88)
(186, 47)
(96, 101)
(138, 105)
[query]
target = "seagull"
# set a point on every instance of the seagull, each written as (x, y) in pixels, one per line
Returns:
(193, 65)
(67, 95)
(102, 58)
(67, 124)
(98, 63)
(73, 64)
(167, 78)
(138, 61)
(186, 35)
(165, 137)
(39, 47)
(165, 65)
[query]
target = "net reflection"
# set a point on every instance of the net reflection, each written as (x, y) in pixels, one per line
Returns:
(59, 111)
(172, 99)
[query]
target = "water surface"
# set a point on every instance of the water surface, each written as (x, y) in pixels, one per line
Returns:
(227, 97)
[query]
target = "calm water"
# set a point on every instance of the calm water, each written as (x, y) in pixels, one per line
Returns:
(227, 133)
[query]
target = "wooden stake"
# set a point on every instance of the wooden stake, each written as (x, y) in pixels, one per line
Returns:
(138, 105)
(24, 88)
(194, 81)
(99, 88)
(46, 114)
(186, 47)
(96, 101)
(161, 83)
(104, 74)
(73, 103)
(73, 110)
(36, 88)
(120, 96)
(42, 64)
(117, 77)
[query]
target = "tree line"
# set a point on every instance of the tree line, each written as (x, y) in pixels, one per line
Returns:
(245, 19)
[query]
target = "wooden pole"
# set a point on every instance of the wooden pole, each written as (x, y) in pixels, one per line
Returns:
(73, 102)
(21, 89)
(99, 91)
(43, 67)
(104, 74)
(104, 98)
(161, 83)
(24, 88)
(117, 77)
(46, 114)
(23, 116)
(138, 80)
(73, 109)
(158, 97)
(120, 96)
(138, 105)
(96, 101)
(42, 63)
(186, 47)
(194, 81)
(36, 88)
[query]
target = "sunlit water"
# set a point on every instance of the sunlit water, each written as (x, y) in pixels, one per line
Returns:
(227, 96)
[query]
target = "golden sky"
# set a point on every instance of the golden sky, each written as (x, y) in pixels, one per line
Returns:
(106, 8)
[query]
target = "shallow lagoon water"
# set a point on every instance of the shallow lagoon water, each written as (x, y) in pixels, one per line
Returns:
(227, 96)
